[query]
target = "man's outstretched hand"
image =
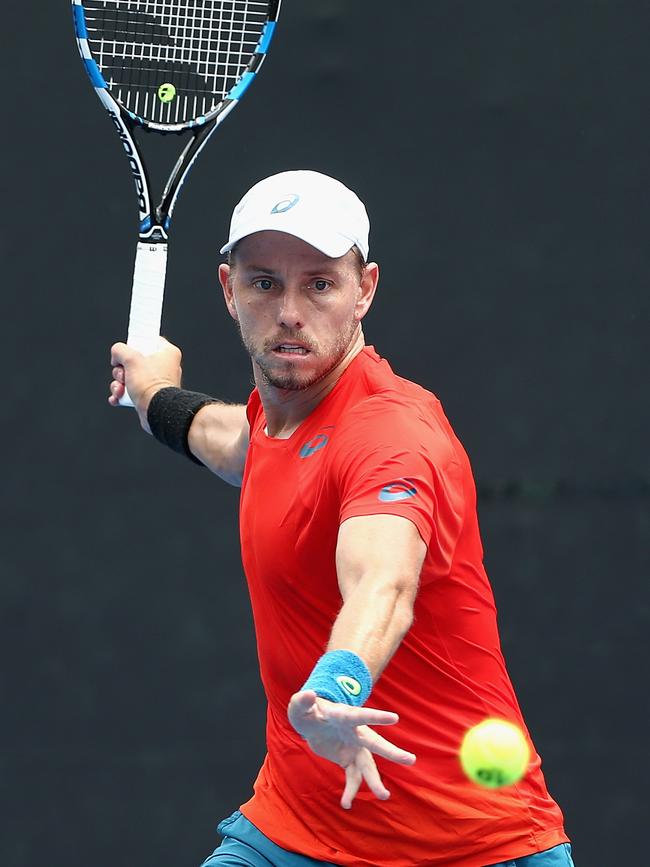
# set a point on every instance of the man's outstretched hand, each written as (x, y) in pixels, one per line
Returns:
(340, 733)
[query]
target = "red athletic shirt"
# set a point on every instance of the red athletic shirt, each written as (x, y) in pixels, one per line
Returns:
(379, 444)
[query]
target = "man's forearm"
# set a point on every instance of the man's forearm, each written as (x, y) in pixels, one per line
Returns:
(373, 621)
(378, 563)
(218, 437)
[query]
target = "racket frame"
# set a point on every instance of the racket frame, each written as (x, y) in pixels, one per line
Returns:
(202, 127)
(151, 252)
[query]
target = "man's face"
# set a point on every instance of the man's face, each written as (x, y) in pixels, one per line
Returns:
(298, 310)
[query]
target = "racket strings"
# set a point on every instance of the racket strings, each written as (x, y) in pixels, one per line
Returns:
(199, 47)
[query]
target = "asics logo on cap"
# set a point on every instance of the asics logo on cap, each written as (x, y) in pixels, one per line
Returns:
(285, 204)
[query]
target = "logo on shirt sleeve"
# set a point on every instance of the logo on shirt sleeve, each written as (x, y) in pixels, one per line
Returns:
(402, 489)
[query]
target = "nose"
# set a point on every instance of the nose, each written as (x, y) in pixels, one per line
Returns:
(289, 312)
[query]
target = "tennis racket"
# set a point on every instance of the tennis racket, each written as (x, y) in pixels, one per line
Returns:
(169, 66)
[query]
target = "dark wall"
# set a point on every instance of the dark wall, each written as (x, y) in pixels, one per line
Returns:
(502, 151)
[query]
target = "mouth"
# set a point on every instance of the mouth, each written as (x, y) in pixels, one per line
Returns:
(288, 350)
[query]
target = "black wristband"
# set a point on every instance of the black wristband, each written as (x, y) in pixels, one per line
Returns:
(170, 415)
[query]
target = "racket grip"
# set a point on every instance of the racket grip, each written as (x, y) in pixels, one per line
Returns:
(146, 301)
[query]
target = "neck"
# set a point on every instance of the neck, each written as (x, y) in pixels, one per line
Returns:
(286, 409)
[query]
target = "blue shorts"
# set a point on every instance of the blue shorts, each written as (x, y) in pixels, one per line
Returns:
(244, 846)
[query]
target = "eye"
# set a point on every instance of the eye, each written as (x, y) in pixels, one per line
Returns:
(321, 285)
(264, 283)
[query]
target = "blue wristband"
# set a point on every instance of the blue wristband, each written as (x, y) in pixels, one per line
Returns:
(341, 676)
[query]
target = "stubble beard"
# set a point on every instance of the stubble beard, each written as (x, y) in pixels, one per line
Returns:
(291, 379)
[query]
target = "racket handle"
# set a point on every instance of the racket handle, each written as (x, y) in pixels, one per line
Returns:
(146, 301)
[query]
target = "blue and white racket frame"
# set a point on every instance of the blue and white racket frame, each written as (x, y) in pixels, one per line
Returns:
(151, 254)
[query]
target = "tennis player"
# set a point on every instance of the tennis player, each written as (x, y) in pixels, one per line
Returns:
(361, 548)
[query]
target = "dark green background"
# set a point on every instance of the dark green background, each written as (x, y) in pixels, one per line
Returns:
(502, 151)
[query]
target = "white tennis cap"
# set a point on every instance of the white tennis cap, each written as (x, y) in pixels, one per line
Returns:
(313, 207)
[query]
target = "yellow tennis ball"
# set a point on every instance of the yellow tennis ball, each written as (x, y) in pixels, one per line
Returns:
(494, 753)
(166, 92)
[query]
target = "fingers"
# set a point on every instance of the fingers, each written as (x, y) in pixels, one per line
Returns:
(384, 748)
(306, 705)
(119, 352)
(117, 387)
(122, 353)
(302, 702)
(143, 374)
(371, 775)
(117, 391)
(353, 777)
(359, 716)
(305, 699)
(302, 710)
(363, 768)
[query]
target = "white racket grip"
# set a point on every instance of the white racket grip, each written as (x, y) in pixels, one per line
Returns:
(146, 301)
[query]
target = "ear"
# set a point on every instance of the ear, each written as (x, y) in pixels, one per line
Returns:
(226, 285)
(367, 289)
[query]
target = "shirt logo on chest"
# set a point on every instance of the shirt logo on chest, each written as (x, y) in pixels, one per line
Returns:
(315, 444)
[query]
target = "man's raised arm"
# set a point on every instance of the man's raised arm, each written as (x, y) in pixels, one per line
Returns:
(214, 434)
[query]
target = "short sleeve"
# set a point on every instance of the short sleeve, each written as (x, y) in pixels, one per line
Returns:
(397, 460)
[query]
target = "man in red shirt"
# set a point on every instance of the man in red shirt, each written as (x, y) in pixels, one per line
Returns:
(362, 553)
